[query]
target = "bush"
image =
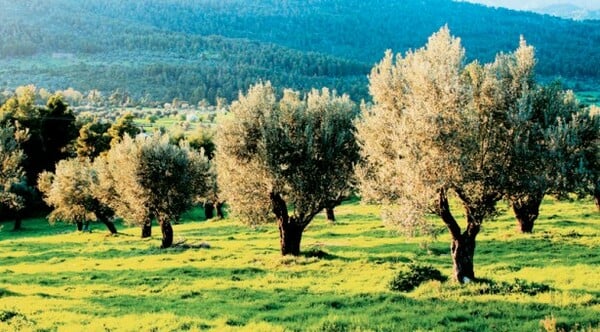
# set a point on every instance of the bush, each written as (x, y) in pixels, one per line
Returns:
(407, 280)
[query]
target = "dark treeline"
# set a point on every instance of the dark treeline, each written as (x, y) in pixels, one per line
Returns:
(203, 50)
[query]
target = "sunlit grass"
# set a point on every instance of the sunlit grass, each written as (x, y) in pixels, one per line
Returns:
(52, 278)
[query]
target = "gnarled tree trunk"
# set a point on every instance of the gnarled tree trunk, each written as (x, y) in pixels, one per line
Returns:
(147, 229)
(79, 226)
(290, 229)
(109, 224)
(167, 233)
(104, 215)
(463, 251)
(526, 211)
(290, 235)
(462, 246)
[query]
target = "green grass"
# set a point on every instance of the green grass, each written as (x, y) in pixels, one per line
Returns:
(52, 278)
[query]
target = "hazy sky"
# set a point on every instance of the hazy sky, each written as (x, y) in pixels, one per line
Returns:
(531, 4)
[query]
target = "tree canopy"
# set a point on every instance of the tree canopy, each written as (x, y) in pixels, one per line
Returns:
(147, 176)
(70, 191)
(437, 127)
(293, 154)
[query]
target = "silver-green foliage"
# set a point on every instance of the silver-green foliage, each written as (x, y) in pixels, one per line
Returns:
(69, 191)
(433, 128)
(146, 177)
(301, 149)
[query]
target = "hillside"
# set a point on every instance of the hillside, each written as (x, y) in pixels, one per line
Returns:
(203, 49)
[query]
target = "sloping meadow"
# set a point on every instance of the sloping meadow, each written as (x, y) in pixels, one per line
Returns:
(222, 275)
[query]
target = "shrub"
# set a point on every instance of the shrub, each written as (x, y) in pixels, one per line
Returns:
(407, 280)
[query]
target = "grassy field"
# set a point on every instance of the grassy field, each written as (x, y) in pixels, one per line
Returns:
(52, 278)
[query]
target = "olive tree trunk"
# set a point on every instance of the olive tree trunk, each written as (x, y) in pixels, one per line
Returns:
(147, 229)
(290, 235)
(220, 213)
(463, 251)
(109, 224)
(79, 226)
(330, 214)
(18, 222)
(290, 228)
(597, 197)
(167, 233)
(209, 208)
(462, 246)
(526, 212)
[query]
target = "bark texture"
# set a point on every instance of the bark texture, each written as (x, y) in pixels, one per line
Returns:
(462, 246)
(290, 228)
(290, 235)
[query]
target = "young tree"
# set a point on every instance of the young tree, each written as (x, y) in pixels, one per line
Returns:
(69, 190)
(435, 128)
(294, 154)
(148, 176)
(11, 172)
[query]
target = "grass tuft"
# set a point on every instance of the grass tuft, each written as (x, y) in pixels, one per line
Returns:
(414, 275)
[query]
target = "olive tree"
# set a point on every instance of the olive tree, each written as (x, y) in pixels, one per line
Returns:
(575, 143)
(553, 143)
(291, 156)
(555, 149)
(436, 129)
(69, 191)
(146, 176)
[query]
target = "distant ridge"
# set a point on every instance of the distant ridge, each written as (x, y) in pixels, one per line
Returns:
(569, 11)
(194, 50)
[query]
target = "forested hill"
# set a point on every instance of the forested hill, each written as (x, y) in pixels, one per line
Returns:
(189, 49)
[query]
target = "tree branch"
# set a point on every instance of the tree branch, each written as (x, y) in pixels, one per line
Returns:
(279, 207)
(446, 215)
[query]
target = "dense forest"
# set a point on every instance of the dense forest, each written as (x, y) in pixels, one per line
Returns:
(195, 50)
